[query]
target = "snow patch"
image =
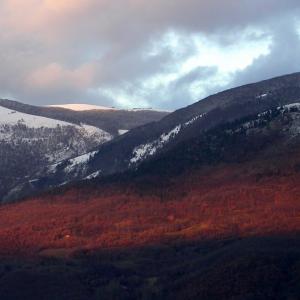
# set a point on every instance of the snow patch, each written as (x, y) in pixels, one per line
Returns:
(99, 134)
(82, 107)
(145, 150)
(191, 121)
(122, 131)
(93, 175)
(13, 118)
(292, 105)
(79, 160)
(86, 107)
(262, 96)
(10, 120)
(137, 109)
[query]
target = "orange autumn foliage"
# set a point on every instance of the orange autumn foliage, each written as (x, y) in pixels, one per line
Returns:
(221, 204)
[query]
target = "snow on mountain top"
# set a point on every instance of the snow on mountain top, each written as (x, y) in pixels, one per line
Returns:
(82, 107)
(12, 117)
(149, 109)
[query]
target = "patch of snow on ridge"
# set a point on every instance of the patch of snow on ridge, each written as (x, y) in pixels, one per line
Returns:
(96, 132)
(87, 107)
(12, 118)
(93, 175)
(264, 113)
(294, 128)
(262, 96)
(82, 107)
(165, 137)
(283, 108)
(191, 121)
(137, 109)
(292, 105)
(145, 150)
(122, 131)
(79, 160)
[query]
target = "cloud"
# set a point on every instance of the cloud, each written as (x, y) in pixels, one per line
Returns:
(284, 56)
(141, 53)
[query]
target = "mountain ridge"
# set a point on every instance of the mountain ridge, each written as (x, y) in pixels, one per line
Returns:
(30, 140)
(144, 142)
(108, 120)
(214, 215)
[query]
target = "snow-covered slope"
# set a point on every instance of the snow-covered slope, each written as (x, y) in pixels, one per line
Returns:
(28, 143)
(12, 123)
(12, 117)
(143, 151)
(108, 119)
(82, 107)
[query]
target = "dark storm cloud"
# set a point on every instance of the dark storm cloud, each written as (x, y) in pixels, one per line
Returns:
(101, 51)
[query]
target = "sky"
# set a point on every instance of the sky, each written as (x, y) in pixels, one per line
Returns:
(163, 54)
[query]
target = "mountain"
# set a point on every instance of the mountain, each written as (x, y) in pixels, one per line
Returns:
(232, 180)
(146, 142)
(82, 107)
(210, 215)
(33, 137)
(86, 107)
(28, 143)
(109, 120)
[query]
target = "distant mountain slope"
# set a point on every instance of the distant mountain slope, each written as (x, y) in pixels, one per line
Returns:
(85, 107)
(144, 143)
(28, 143)
(109, 120)
(81, 107)
(12, 118)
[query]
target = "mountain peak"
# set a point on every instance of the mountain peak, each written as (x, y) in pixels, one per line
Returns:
(82, 107)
